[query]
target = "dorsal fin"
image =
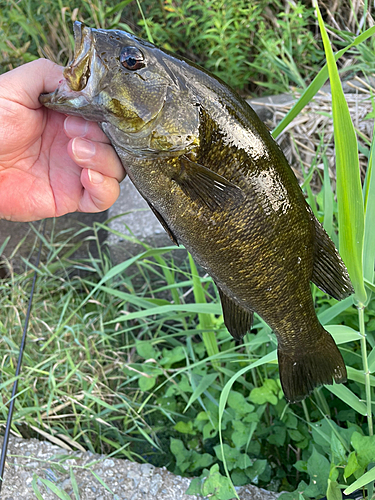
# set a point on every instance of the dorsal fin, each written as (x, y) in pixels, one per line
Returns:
(236, 319)
(329, 273)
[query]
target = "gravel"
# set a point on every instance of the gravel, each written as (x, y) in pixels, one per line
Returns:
(97, 477)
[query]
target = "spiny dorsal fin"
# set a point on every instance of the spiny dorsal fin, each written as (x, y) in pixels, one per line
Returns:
(236, 319)
(329, 273)
(207, 187)
(163, 223)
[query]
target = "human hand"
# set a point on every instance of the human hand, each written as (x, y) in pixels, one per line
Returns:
(50, 164)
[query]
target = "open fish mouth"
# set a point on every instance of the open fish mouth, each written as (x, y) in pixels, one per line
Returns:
(78, 72)
(80, 80)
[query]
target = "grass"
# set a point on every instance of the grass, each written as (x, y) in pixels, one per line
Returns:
(134, 359)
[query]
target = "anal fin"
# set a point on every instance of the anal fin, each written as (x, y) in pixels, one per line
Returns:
(329, 273)
(236, 319)
(163, 223)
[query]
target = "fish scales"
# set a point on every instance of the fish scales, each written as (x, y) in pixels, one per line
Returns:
(220, 185)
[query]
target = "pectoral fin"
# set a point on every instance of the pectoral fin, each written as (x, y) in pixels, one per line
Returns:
(207, 187)
(163, 223)
(329, 273)
(236, 319)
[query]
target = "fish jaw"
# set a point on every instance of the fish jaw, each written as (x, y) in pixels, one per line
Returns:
(78, 90)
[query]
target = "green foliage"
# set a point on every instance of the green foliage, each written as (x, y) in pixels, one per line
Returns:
(247, 44)
(241, 42)
(121, 361)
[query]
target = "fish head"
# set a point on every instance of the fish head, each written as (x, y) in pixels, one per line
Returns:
(124, 82)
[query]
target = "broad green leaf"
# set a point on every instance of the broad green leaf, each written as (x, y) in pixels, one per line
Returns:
(268, 358)
(318, 470)
(365, 448)
(352, 465)
(218, 487)
(337, 448)
(146, 383)
(237, 401)
(185, 427)
(346, 395)
(145, 349)
(369, 203)
(333, 491)
(367, 478)
(266, 393)
(349, 189)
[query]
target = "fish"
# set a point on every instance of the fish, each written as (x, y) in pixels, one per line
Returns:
(220, 186)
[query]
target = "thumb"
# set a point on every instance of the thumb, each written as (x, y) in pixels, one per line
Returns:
(24, 84)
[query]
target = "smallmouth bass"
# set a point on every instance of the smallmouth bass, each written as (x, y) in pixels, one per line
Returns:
(220, 185)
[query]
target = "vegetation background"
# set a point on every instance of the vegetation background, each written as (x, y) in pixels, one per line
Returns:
(133, 360)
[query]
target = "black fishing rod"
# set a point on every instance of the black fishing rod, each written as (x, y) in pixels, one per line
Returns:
(4, 448)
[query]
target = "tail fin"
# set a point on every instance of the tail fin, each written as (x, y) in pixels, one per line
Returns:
(303, 370)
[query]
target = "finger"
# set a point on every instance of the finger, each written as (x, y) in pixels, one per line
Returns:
(25, 83)
(74, 126)
(96, 156)
(100, 191)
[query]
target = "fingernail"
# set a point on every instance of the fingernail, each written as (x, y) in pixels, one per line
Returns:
(83, 149)
(75, 126)
(95, 177)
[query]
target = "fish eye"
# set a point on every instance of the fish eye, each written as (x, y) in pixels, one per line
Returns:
(131, 58)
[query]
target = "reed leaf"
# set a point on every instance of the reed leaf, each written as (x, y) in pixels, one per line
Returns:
(367, 478)
(317, 84)
(346, 395)
(369, 208)
(349, 189)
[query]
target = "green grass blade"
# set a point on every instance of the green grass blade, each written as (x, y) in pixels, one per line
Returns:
(346, 395)
(204, 384)
(101, 481)
(349, 189)
(342, 333)
(371, 361)
(331, 313)
(317, 84)
(357, 376)
(210, 308)
(367, 478)
(328, 200)
(55, 489)
(74, 484)
(149, 36)
(205, 322)
(369, 202)
(36, 490)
